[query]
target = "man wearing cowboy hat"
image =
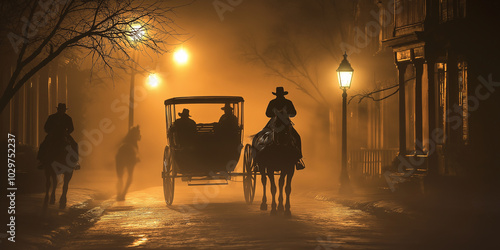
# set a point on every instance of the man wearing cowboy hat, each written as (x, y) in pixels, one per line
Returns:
(281, 103)
(59, 123)
(228, 121)
(227, 128)
(58, 127)
(185, 128)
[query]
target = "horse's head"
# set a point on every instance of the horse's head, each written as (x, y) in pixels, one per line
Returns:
(134, 134)
(280, 119)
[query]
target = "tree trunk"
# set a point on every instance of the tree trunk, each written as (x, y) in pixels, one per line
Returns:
(5, 99)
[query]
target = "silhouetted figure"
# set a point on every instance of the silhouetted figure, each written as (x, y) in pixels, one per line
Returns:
(227, 130)
(228, 121)
(281, 109)
(184, 129)
(280, 103)
(277, 148)
(58, 127)
(58, 153)
(126, 158)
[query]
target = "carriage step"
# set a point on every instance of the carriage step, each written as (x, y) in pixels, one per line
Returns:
(206, 184)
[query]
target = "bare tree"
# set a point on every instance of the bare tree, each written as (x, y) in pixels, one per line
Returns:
(298, 49)
(104, 30)
(371, 95)
(379, 90)
(286, 61)
(319, 32)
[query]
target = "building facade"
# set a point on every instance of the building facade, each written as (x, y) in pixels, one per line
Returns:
(447, 62)
(28, 110)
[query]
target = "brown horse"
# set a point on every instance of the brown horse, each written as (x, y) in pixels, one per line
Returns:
(126, 158)
(280, 154)
(60, 157)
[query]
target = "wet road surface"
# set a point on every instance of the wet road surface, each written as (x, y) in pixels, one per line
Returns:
(213, 217)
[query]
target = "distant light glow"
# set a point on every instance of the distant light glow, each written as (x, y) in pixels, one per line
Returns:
(181, 56)
(137, 32)
(153, 80)
(139, 241)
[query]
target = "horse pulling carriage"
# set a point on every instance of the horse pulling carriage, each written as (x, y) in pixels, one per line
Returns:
(212, 152)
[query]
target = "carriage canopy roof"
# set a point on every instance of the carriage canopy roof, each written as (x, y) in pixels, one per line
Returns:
(204, 99)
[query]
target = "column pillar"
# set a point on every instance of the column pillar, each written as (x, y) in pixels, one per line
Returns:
(433, 104)
(419, 68)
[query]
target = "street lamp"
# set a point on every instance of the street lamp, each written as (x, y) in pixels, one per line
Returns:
(153, 80)
(181, 56)
(136, 34)
(344, 74)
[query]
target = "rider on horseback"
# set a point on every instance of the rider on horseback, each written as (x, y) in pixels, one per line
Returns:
(58, 127)
(275, 110)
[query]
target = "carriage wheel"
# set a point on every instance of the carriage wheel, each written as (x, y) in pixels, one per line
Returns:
(168, 176)
(249, 175)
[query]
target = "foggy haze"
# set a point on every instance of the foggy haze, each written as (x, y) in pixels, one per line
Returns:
(216, 66)
(394, 102)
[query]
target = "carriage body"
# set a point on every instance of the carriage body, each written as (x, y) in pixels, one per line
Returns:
(214, 151)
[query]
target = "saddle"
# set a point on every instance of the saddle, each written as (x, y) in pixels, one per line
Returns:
(270, 135)
(263, 139)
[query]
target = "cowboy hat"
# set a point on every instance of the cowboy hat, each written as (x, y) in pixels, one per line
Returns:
(62, 106)
(227, 106)
(185, 112)
(280, 91)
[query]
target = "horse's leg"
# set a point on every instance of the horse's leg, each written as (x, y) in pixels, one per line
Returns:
(54, 186)
(270, 174)
(119, 174)
(288, 190)
(48, 175)
(263, 177)
(67, 178)
(130, 174)
(280, 196)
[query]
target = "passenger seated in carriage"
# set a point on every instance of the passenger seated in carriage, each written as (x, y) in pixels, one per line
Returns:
(228, 122)
(184, 130)
(227, 128)
(275, 110)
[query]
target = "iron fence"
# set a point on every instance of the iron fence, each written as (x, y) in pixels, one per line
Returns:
(369, 163)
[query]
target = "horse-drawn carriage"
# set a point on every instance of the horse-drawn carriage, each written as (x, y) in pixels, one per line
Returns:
(212, 152)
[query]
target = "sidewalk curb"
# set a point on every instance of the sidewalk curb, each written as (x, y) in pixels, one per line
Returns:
(82, 214)
(84, 220)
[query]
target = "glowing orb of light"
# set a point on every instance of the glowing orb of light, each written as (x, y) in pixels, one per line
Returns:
(181, 56)
(153, 80)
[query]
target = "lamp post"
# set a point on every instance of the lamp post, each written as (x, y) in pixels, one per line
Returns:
(137, 32)
(344, 74)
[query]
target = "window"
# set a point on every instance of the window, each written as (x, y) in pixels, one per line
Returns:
(452, 9)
